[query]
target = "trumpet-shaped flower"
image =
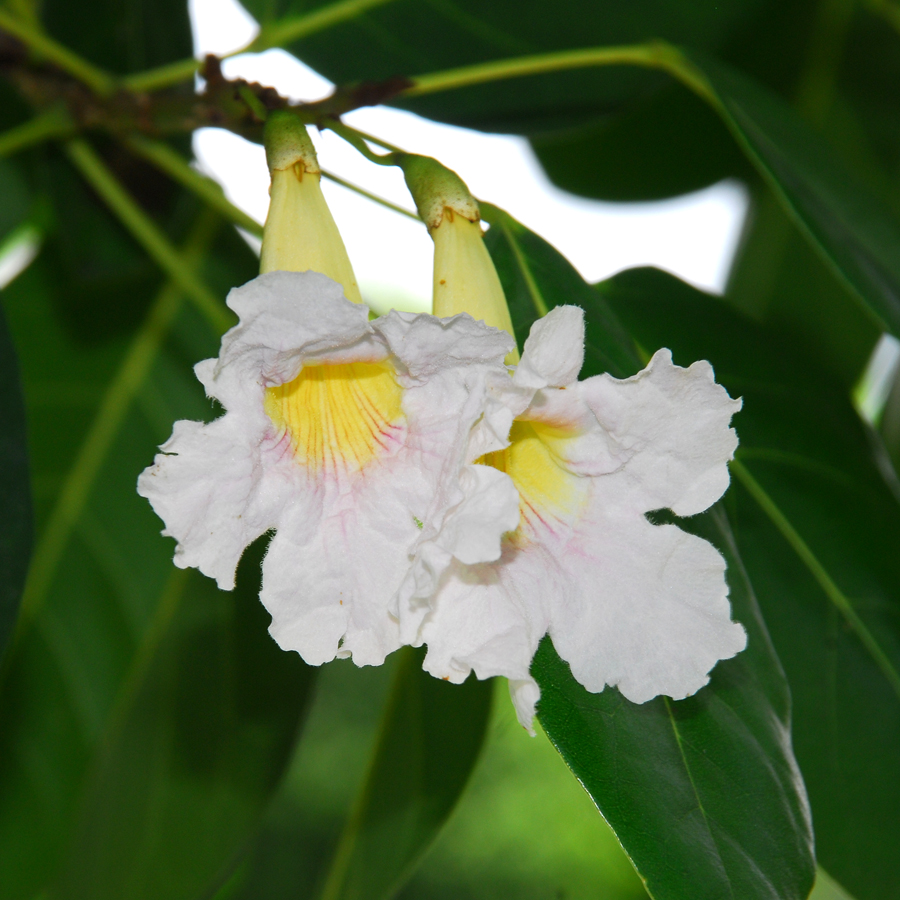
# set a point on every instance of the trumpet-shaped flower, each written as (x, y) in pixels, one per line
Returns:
(626, 602)
(346, 437)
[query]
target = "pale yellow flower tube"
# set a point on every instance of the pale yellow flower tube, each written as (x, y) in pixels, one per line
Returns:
(465, 280)
(300, 233)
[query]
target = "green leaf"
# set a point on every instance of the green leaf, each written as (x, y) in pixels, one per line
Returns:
(777, 276)
(524, 829)
(679, 775)
(668, 141)
(673, 774)
(16, 198)
(857, 234)
(662, 144)
(537, 277)
(106, 653)
(430, 739)
(406, 37)
(195, 748)
(94, 255)
(818, 530)
(616, 133)
(122, 36)
(15, 495)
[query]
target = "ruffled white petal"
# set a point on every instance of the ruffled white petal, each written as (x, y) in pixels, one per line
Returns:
(470, 531)
(208, 487)
(554, 350)
(483, 622)
(646, 610)
(490, 507)
(414, 544)
(288, 319)
(427, 345)
(329, 573)
(671, 428)
(525, 693)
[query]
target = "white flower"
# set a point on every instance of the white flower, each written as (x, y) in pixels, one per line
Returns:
(627, 603)
(345, 436)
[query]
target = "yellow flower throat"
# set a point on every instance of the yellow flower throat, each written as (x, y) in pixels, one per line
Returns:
(338, 417)
(547, 491)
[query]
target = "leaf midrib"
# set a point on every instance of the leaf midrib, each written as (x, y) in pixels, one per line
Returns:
(537, 298)
(696, 792)
(815, 567)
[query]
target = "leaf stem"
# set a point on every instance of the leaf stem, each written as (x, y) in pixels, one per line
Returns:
(369, 195)
(372, 139)
(289, 30)
(166, 76)
(45, 46)
(889, 10)
(52, 123)
(106, 424)
(357, 139)
(146, 232)
(818, 571)
(653, 54)
(174, 165)
(275, 35)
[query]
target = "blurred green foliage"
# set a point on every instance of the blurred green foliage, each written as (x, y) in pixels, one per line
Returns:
(153, 740)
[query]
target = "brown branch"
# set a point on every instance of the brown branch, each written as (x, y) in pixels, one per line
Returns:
(235, 104)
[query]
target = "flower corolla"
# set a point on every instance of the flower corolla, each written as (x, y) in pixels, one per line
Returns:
(347, 438)
(626, 602)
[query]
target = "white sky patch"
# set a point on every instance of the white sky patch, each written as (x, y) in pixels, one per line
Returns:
(871, 392)
(694, 236)
(17, 253)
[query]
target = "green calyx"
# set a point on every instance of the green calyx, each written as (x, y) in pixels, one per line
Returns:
(435, 188)
(288, 143)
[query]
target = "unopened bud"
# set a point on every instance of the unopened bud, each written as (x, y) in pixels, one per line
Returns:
(300, 233)
(465, 279)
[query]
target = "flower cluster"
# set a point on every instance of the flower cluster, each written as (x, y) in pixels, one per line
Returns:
(345, 437)
(423, 490)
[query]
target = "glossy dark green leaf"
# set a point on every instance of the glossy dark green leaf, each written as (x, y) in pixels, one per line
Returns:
(703, 793)
(818, 530)
(668, 141)
(856, 232)
(117, 699)
(406, 37)
(778, 277)
(660, 145)
(524, 829)
(430, 739)
(196, 747)
(122, 36)
(16, 196)
(16, 528)
(672, 774)
(291, 853)
(110, 279)
(869, 83)
(615, 133)
(536, 277)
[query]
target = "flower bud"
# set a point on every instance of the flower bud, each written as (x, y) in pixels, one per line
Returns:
(465, 279)
(300, 233)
